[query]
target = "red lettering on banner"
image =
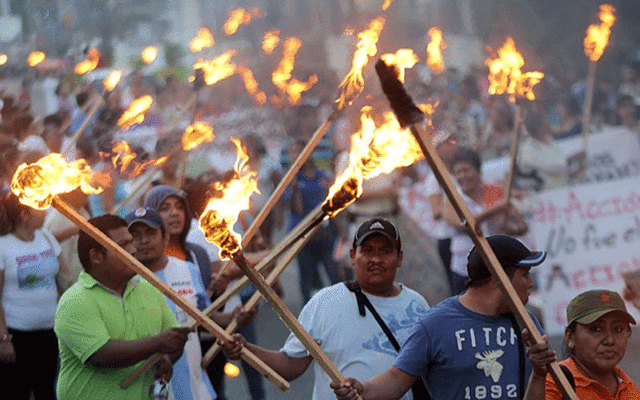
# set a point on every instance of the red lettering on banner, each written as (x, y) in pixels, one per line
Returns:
(578, 281)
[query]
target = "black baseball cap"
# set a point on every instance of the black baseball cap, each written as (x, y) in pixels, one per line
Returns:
(147, 216)
(377, 226)
(509, 251)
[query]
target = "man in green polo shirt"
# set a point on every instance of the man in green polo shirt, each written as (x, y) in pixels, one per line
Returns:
(109, 321)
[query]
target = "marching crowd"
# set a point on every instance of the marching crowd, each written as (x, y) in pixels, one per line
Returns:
(75, 321)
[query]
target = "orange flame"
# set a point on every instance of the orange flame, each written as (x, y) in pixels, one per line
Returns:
(149, 54)
(88, 65)
(3, 59)
(124, 160)
(111, 81)
(281, 76)
(35, 58)
(197, 133)
(203, 40)
(403, 58)
(135, 113)
(37, 184)
(251, 84)
(434, 56)
(238, 17)
(353, 82)
(217, 69)
(231, 370)
(282, 73)
(598, 35)
(374, 150)
(505, 75)
(223, 209)
(270, 40)
(386, 4)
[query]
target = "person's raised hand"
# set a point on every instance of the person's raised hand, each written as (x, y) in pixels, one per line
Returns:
(349, 389)
(232, 348)
(243, 316)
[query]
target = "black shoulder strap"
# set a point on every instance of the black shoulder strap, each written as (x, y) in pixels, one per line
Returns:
(521, 354)
(363, 302)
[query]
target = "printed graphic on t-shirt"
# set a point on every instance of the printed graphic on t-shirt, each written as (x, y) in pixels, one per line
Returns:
(489, 363)
(36, 271)
(379, 342)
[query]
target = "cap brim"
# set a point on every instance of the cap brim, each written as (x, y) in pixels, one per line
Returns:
(534, 259)
(143, 221)
(376, 232)
(592, 317)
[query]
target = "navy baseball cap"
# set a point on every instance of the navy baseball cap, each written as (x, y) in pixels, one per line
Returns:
(147, 216)
(509, 251)
(377, 226)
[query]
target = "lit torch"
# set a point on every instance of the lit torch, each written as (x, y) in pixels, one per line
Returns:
(35, 58)
(251, 85)
(217, 69)
(505, 77)
(88, 65)
(203, 40)
(194, 135)
(410, 116)
(281, 76)
(217, 222)
(109, 83)
(149, 54)
(134, 114)
(434, 54)
(594, 44)
(349, 90)
(238, 17)
(402, 59)
(38, 185)
(3, 59)
(270, 40)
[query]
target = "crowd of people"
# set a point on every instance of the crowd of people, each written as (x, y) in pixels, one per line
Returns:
(73, 315)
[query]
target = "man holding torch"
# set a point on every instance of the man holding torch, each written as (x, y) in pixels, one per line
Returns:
(109, 321)
(468, 346)
(338, 321)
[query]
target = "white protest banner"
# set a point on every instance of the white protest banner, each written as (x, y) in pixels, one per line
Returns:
(592, 235)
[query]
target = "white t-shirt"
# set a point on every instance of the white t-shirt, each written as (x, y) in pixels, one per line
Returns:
(189, 381)
(355, 344)
(431, 186)
(29, 295)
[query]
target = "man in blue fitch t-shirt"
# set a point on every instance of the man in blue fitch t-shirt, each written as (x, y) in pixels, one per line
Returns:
(467, 346)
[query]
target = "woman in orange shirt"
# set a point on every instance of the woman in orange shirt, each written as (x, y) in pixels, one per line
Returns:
(596, 340)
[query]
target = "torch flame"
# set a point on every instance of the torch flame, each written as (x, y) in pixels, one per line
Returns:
(203, 40)
(37, 184)
(88, 65)
(223, 209)
(403, 58)
(35, 58)
(238, 17)
(505, 75)
(281, 76)
(386, 4)
(434, 56)
(149, 54)
(197, 133)
(3, 59)
(217, 69)
(598, 35)
(251, 84)
(353, 82)
(124, 160)
(135, 113)
(111, 81)
(374, 150)
(270, 40)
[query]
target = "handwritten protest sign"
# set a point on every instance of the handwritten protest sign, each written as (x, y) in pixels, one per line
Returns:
(592, 236)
